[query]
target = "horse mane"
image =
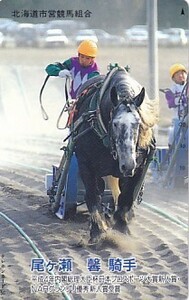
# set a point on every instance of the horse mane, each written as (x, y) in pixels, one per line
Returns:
(148, 111)
(149, 114)
(128, 88)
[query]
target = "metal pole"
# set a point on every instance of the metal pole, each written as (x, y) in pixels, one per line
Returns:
(152, 48)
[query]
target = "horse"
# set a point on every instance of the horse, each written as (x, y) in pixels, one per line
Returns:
(113, 127)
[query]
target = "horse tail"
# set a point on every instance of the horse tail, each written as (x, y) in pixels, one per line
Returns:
(112, 183)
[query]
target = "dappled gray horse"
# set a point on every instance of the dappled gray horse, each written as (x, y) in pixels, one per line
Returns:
(114, 137)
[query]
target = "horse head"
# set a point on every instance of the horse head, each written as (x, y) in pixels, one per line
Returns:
(125, 124)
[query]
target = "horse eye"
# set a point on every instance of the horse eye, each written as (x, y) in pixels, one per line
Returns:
(115, 125)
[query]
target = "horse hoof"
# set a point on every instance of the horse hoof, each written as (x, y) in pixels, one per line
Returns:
(96, 239)
(93, 241)
(130, 215)
(122, 227)
(121, 221)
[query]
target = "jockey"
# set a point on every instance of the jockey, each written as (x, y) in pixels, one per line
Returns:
(79, 68)
(176, 96)
(178, 74)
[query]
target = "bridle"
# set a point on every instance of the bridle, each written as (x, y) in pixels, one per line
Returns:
(113, 112)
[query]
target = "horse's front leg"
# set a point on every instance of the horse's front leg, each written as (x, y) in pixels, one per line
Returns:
(124, 213)
(94, 187)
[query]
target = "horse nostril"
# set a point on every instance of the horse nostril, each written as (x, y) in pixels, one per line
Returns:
(127, 171)
(123, 168)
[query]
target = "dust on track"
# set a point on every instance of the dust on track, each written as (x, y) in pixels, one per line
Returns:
(156, 249)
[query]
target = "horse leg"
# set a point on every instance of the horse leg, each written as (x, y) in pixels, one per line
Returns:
(130, 187)
(94, 187)
(98, 223)
(124, 212)
(98, 226)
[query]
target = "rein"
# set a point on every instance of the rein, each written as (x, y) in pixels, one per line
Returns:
(92, 116)
(101, 129)
(44, 114)
(67, 104)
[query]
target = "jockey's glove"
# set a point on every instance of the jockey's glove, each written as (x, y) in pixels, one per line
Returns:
(170, 97)
(72, 103)
(64, 73)
(53, 70)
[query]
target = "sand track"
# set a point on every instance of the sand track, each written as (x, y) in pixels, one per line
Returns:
(159, 245)
(29, 147)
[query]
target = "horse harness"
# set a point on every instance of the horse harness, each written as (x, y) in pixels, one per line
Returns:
(94, 119)
(93, 115)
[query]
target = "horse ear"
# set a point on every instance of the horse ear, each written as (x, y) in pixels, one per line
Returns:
(114, 96)
(139, 98)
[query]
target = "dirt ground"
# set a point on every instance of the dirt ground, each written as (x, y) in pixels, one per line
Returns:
(30, 146)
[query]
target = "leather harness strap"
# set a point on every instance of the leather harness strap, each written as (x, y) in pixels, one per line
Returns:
(93, 115)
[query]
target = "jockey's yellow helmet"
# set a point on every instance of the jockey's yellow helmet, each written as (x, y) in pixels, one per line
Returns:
(175, 68)
(88, 48)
